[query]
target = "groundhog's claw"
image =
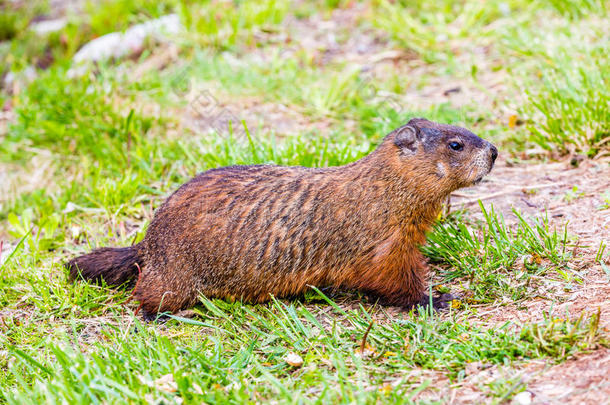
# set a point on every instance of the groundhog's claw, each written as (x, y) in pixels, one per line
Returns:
(442, 302)
(154, 317)
(438, 303)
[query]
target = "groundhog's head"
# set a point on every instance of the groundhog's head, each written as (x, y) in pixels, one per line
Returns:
(455, 156)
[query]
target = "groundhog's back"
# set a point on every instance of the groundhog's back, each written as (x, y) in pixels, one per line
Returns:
(246, 231)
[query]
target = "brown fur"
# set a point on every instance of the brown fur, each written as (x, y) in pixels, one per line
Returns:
(246, 232)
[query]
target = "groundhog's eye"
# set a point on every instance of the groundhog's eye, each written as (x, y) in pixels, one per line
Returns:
(456, 145)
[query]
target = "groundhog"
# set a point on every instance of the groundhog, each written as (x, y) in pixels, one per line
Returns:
(250, 232)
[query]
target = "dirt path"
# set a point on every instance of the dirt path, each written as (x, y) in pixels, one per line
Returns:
(581, 380)
(567, 194)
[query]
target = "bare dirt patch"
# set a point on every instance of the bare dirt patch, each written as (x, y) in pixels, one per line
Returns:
(564, 193)
(582, 380)
(341, 38)
(570, 195)
(212, 109)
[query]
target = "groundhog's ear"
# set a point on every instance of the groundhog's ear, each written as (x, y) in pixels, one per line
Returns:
(406, 138)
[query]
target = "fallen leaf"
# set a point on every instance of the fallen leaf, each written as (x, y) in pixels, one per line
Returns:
(385, 389)
(512, 121)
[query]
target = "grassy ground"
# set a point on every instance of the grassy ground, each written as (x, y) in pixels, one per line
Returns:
(85, 160)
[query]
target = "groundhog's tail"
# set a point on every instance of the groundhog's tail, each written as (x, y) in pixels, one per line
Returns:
(113, 265)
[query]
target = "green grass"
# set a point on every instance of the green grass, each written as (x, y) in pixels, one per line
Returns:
(565, 79)
(116, 145)
(118, 15)
(435, 29)
(562, 68)
(498, 260)
(225, 25)
(27, 47)
(241, 356)
(573, 107)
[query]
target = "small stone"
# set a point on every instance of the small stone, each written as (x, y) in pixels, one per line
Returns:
(120, 44)
(19, 79)
(293, 359)
(166, 383)
(48, 26)
(523, 398)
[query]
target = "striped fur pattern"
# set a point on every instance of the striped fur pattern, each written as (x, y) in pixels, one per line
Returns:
(248, 232)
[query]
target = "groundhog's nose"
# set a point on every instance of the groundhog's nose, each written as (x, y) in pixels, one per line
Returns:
(494, 153)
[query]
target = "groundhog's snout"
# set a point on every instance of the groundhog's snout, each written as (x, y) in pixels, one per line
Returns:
(494, 155)
(484, 161)
(490, 154)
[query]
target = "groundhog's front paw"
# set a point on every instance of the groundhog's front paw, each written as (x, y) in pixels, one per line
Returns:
(438, 303)
(153, 317)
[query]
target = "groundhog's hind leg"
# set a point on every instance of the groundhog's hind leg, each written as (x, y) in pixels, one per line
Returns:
(163, 294)
(407, 300)
(401, 294)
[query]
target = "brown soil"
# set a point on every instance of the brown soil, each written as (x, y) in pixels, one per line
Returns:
(559, 190)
